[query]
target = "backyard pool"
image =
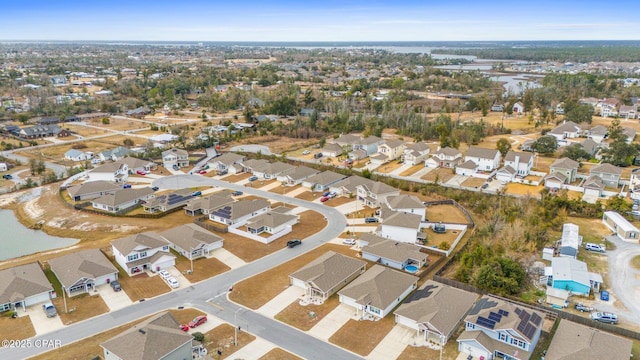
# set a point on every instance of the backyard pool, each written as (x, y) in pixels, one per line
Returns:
(411, 269)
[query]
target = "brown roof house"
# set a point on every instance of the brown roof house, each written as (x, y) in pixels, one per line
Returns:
(326, 275)
(378, 291)
(82, 271)
(192, 241)
(140, 252)
(499, 329)
(157, 338)
(391, 253)
(122, 200)
(435, 311)
(573, 341)
(22, 286)
(92, 190)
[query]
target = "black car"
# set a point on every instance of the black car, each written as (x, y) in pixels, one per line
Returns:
(7, 176)
(155, 188)
(237, 193)
(294, 243)
(485, 185)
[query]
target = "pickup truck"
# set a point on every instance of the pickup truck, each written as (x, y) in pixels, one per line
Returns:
(583, 308)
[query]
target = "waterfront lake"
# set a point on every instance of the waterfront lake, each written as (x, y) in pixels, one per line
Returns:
(17, 240)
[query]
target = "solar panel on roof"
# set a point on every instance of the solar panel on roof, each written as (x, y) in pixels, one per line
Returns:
(521, 326)
(518, 311)
(495, 317)
(529, 331)
(503, 312)
(482, 321)
(536, 319)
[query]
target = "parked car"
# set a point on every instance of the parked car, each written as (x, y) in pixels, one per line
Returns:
(202, 172)
(7, 176)
(594, 247)
(253, 178)
(583, 308)
(237, 193)
(223, 172)
(326, 193)
(199, 320)
(126, 186)
(294, 243)
(173, 283)
(348, 161)
(164, 274)
(155, 188)
(49, 309)
(306, 152)
(485, 185)
(349, 241)
(141, 172)
(332, 195)
(370, 220)
(196, 193)
(206, 167)
(176, 167)
(605, 317)
(115, 285)
(184, 327)
(324, 198)
(317, 155)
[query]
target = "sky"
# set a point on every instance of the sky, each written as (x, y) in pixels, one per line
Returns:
(312, 20)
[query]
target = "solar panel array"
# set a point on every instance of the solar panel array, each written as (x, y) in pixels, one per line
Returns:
(536, 319)
(528, 323)
(495, 316)
(503, 312)
(484, 322)
(224, 212)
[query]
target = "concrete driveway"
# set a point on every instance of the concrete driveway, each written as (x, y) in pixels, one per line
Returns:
(254, 350)
(178, 275)
(624, 279)
(457, 180)
(114, 299)
(227, 258)
(296, 192)
(281, 301)
(393, 344)
(332, 322)
(41, 323)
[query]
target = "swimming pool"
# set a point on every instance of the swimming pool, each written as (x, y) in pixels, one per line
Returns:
(411, 269)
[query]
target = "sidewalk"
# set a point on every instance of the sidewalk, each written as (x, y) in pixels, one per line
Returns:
(254, 350)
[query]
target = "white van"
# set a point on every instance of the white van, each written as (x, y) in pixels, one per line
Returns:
(594, 247)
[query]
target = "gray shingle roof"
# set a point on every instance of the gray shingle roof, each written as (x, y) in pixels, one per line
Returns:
(20, 282)
(190, 236)
(82, 264)
(482, 153)
(405, 202)
(391, 249)
(394, 143)
(325, 177)
(228, 158)
(352, 182)
(524, 156)
(606, 168)
(402, 219)
(565, 163)
(270, 219)
(302, 172)
(488, 304)
(448, 151)
(92, 187)
(329, 270)
(123, 196)
(469, 164)
(143, 241)
(573, 341)
(241, 208)
(379, 286)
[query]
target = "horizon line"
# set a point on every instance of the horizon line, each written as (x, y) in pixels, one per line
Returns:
(321, 41)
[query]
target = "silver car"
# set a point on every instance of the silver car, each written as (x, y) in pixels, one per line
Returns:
(173, 283)
(164, 274)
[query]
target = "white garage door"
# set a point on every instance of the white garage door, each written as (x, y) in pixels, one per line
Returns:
(37, 299)
(298, 283)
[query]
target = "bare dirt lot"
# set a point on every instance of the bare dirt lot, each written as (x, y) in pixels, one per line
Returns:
(441, 175)
(445, 214)
(362, 337)
(222, 338)
(15, 329)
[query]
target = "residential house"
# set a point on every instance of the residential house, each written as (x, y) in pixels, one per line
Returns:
(505, 174)
(116, 154)
(374, 194)
(499, 329)
(409, 204)
(610, 174)
(598, 133)
(634, 184)
(591, 101)
(590, 147)
(487, 160)
(445, 157)
(378, 159)
(368, 144)
(159, 337)
(331, 150)
(608, 107)
(402, 227)
(377, 292)
(141, 252)
(297, 176)
(566, 130)
(207, 204)
(226, 162)
(175, 156)
(559, 109)
(555, 181)
(521, 162)
(322, 181)
(250, 165)
(349, 140)
(192, 241)
(272, 170)
(134, 164)
(166, 202)
(435, 311)
(619, 225)
(348, 186)
(570, 241)
(77, 155)
(629, 133)
(391, 149)
(467, 168)
(573, 341)
(3, 166)
(628, 111)
(92, 190)
(240, 211)
(391, 253)
(114, 172)
(272, 222)
(122, 199)
(82, 271)
(527, 145)
(139, 113)
(327, 274)
(566, 167)
(416, 153)
(593, 188)
(41, 131)
(22, 286)
(572, 275)
(518, 108)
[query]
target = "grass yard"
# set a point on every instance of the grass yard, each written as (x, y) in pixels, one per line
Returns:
(523, 189)
(412, 170)
(249, 250)
(445, 214)
(81, 307)
(308, 195)
(236, 177)
(338, 200)
(279, 354)
(362, 337)
(222, 338)
(185, 315)
(442, 175)
(297, 315)
(15, 329)
(258, 290)
(635, 262)
(473, 182)
(435, 239)
(389, 167)
(284, 189)
(203, 268)
(141, 286)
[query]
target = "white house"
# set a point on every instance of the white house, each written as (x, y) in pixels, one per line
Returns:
(621, 226)
(297, 176)
(598, 133)
(142, 252)
(518, 108)
(369, 145)
(487, 160)
(271, 222)
(114, 172)
(122, 199)
(566, 130)
(409, 204)
(192, 241)
(83, 271)
(401, 227)
(390, 252)
(22, 286)
(77, 155)
(467, 168)
(175, 156)
(114, 154)
(225, 161)
(610, 174)
(416, 153)
(499, 329)
(375, 193)
(521, 162)
(377, 292)
(239, 211)
(322, 181)
(570, 241)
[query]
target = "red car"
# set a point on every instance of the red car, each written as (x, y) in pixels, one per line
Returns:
(199, 320)
(324, 198)
(184, 327)
(202, 172)
(141, 172)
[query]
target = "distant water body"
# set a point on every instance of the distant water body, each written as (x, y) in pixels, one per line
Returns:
(16, 240)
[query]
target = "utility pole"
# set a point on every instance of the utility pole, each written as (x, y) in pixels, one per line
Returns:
(235, 322)
(64, 298)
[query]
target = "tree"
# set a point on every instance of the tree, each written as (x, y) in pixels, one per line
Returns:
(503, 145)
(580, 113)
(576, 152)
(106, 121)
(545, 145)
(127, 142)
(619, 152)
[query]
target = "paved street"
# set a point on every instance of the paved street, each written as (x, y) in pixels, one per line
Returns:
(625, 280)
(214, 289)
